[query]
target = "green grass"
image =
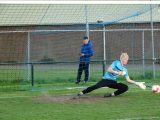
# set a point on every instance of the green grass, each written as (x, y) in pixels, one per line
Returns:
(12, 80)
(136, 104)
(12, 76)
(18, 98)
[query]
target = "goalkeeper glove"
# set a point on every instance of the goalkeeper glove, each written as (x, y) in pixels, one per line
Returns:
(141, 85)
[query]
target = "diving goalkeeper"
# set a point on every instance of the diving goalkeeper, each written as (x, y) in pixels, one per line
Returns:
(117, 68)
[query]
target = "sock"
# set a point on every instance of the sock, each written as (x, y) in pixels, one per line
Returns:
(112, 94)
(81, 93)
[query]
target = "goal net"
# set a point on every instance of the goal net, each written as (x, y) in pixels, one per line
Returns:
(40, 44)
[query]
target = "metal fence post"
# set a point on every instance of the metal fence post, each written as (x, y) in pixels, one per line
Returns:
(152, 38)
(104, 49)
(32, 74)
(87, 24)
(28, 57)
(143, 62)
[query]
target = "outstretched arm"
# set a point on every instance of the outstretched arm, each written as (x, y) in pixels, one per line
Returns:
(130, 81)
(139, 84)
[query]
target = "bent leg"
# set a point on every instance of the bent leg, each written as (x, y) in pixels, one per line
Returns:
(100, 84)
(121, 88)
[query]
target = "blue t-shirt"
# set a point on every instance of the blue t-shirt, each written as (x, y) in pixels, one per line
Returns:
(116, 66)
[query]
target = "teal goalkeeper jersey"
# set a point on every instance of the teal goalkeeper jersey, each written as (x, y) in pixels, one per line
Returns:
(116, 66)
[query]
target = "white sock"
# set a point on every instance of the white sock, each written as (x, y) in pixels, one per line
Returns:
(112, 94)
(81, 93)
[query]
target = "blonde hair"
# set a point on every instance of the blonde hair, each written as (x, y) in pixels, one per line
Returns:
(124, 55)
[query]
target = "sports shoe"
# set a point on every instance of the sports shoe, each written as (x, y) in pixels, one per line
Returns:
(77, 96)
(107, 95)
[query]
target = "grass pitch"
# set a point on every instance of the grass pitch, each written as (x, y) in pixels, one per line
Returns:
(57, 104)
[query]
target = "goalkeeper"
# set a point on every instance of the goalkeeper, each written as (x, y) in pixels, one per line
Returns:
(110, 78)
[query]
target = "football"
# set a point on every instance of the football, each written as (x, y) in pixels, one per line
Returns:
(156, 89)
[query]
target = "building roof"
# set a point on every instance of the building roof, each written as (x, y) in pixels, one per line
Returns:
(16, 15)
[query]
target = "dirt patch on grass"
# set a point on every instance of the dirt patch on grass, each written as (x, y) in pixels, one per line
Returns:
(67, 98)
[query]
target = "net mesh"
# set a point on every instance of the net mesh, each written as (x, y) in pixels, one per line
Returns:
(43, 42)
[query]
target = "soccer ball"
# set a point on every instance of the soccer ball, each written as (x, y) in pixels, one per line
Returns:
(156, 89)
